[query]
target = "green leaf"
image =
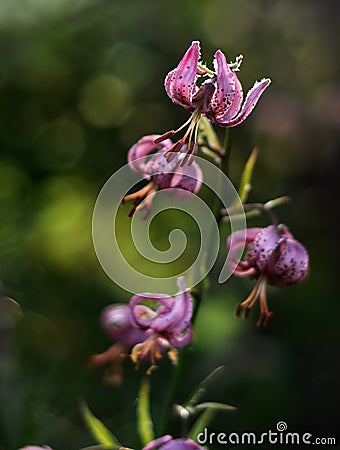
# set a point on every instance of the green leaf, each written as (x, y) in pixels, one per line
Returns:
(202, 422)
(247, 175)
(144, 420)
(214, 406)
(205, 418)
(200, 389)
(103, 436)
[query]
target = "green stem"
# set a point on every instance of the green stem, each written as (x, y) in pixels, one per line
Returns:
(227, 152)
(144, 421)
(196, 292)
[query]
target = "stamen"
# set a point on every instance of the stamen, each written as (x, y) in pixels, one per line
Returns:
(139, 196)
(164, 136)
(173, 150)
(190, 135)
(265, 313)
(190, 156)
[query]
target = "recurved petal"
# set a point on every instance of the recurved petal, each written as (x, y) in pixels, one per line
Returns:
(236, 242)
(228, 96)
(141, 315)
(242, 237)
(180, 82)
(249, 104)
(177, 317)
(182, 339)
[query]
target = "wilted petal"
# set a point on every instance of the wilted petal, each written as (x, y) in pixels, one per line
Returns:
(249, 104)
(180, 82)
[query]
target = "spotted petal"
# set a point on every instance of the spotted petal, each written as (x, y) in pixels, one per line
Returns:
(249, 104)
(291, 265)
(227, 99)
(186, 179)
(180, 82)
(139, 152)
(263, 246)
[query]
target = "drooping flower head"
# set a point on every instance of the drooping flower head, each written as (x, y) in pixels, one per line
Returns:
(168, 443)
(273, 256)
(217, 95)
(147, 158)
(167, 319)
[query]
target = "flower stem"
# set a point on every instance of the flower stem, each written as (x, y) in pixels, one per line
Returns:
(197, 291)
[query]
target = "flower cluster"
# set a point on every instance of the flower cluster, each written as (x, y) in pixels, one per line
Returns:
(154, 324)
(273, 257)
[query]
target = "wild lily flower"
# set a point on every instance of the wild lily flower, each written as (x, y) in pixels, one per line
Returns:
(168, 443)
(168, 322)
(147, 158)
(116, 320)
(219, 97)
(273, 256)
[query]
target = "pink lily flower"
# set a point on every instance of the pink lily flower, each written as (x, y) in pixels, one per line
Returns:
(169, 323)
(147, 158)
(273, 256)
(219, 98)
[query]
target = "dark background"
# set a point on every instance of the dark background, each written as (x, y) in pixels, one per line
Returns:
(80, 82)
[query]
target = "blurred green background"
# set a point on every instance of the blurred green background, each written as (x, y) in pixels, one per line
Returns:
(80, 82)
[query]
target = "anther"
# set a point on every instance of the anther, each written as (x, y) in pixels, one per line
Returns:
(164, 136)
